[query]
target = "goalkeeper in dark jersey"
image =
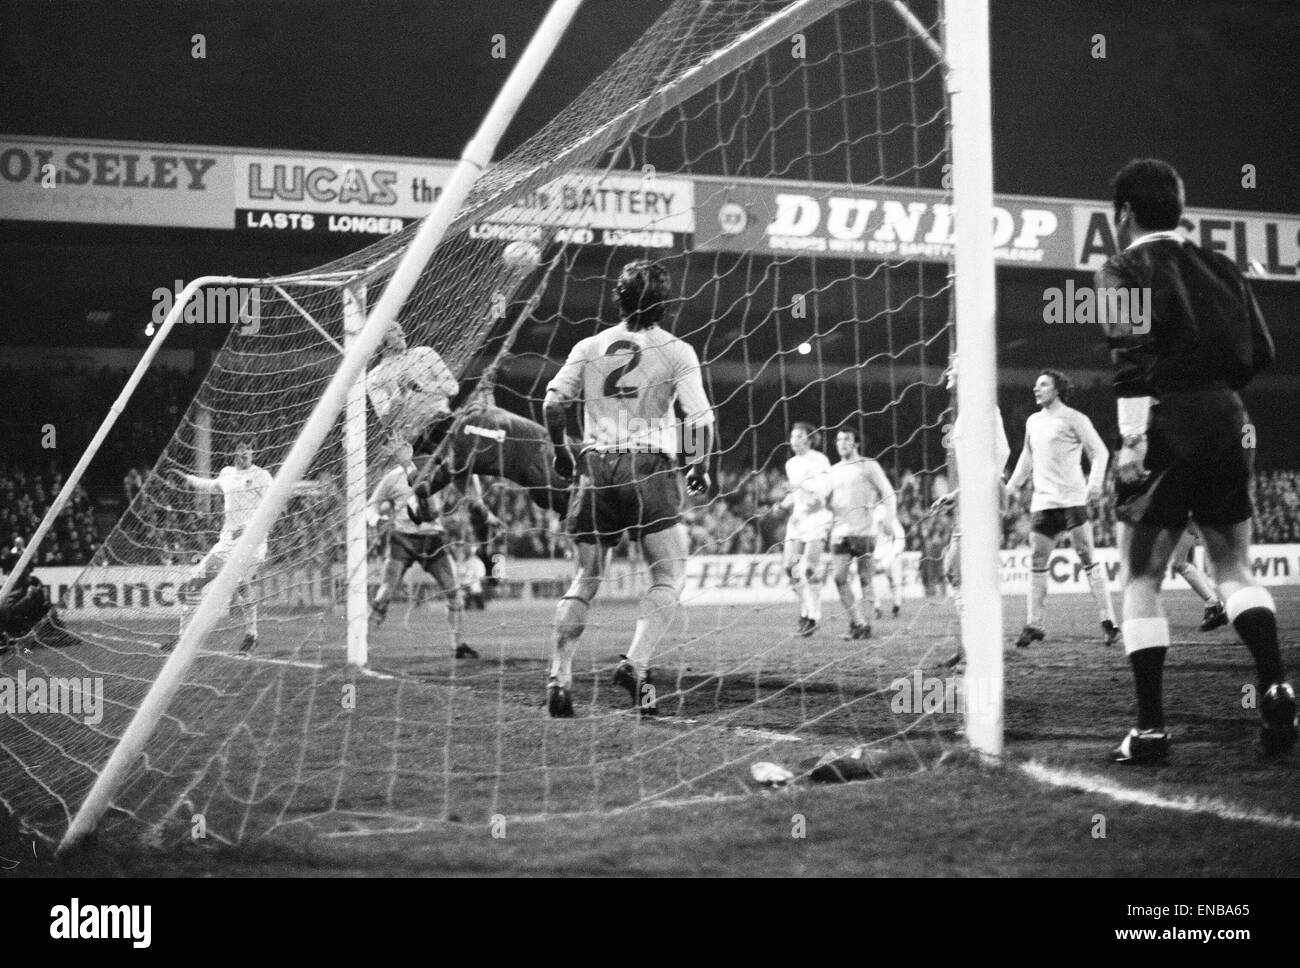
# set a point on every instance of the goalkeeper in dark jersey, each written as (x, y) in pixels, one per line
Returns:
(489, 441)
(1186, 451)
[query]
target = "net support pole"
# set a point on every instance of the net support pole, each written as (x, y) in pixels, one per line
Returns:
(354, 470)
(974, 290)
(115, 411)
(476, 157)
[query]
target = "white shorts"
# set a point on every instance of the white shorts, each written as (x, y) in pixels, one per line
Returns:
(809, 528)
(888, 550)
(216, 557)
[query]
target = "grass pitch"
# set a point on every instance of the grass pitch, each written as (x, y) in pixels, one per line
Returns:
(447, 767)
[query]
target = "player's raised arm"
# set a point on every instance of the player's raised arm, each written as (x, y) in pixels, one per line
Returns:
(198, 483)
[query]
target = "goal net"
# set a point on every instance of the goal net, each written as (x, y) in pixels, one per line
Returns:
(794, 188)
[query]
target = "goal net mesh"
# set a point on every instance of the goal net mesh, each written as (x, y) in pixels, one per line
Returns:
(852, 330)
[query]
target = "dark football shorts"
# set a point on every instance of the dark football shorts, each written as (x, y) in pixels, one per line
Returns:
(1052, 521)
(497, 443)
(1198, 464)
(637, 493)
(854, 545)
(416, 549)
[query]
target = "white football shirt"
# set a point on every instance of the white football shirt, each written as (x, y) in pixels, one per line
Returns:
(243, 492)
(810, 482)
(857, 488)
(628, 381)
(1055, 441)
(394, 487)
(409, 390)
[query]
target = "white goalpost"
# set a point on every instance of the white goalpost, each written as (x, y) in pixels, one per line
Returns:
(721, 103)
(975, 291)
(342, 389)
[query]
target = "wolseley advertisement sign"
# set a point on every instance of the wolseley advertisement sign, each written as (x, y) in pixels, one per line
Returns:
(54, 180)
(51, 179)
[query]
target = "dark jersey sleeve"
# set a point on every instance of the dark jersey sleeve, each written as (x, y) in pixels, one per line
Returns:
(1201, 326)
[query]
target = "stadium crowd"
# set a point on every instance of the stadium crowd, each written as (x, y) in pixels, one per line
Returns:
(743, 518)
(25, 496)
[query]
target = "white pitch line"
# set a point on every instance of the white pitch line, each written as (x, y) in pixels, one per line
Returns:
(1072, 779)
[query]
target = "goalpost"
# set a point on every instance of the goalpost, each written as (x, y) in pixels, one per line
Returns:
(307, 733)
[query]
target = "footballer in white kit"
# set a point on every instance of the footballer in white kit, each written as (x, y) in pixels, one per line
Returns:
(629, 379)
(242, 486)
(1056, 437)
(411, 391)
(858, 488)
(809, 475)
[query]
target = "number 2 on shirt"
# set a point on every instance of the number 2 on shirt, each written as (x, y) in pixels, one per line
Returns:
(612, 389)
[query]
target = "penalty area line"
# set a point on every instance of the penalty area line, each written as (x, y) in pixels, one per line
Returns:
(1075, 780)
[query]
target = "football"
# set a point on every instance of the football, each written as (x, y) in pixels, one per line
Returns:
(522, 255)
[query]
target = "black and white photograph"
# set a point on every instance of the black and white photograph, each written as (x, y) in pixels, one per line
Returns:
(651, 439)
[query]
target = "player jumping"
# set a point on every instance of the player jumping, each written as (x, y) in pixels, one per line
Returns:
(809, 475)
(411, 543)
(858, 486)
(410, 390)
(493, 442)
(627, 380)
(1055, 437)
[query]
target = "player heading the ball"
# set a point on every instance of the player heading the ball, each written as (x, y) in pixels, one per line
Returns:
(627, 379)
(410, 389)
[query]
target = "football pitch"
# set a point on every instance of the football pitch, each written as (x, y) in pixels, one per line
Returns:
(488, 784)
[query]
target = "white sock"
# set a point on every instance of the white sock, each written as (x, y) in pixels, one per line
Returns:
(1100, 593)
(657, 608)
(813, 598)
(1037, 597)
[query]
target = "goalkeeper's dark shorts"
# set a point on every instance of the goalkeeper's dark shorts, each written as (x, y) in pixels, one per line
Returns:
(1199, 462)
(638, 493)
(497, 443)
